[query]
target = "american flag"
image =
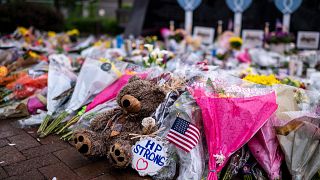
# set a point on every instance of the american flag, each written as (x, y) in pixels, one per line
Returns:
(184, 134)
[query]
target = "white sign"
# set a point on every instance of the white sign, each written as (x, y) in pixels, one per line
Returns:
(149, 156)
(308, 40)
(252, 38)
(205, 33)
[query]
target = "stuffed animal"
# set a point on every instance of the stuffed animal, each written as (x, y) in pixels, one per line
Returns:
(110, 132)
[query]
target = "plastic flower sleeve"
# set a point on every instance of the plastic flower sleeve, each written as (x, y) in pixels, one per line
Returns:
(191, 164)
(60, 79)
(111, 91)
(93, 78)
(299, 140)
(164, 108)
(226, 101)
(266, 149)
(85, 119)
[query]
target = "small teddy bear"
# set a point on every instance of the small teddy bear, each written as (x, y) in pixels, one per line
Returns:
(110, 132)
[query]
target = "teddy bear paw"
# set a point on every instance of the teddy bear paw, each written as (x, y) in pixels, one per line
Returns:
(83, 144)
(120, 154)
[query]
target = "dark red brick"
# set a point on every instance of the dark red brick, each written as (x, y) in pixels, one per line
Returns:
(128, 174)
(32, 132)
(60, 171)
(6, 127)
(24, 141)
(106, 176)
(52, 139)
(92, 170)
(43, 150)
(28, 165)
(9, 133)
(72, 158)
(3, 142)
(33, 174)
(3, 174)
(10, 155)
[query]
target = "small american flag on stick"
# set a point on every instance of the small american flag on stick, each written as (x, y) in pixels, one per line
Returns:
(184, 134)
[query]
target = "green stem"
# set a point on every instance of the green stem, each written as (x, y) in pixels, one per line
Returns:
(72, 121)
(44, 123)
(54, 124)
(61, 125)
(67, 136)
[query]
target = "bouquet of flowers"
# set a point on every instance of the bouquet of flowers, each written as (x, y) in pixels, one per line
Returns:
(156, 57)
(178, 35)
(225, 101)
(235, 43)
(279, 37)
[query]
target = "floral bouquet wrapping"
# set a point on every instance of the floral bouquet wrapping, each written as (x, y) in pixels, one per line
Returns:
(111, 91)
(299, 140)
(94, 76)
(192, 163)
(266, 149)
(27, 85)
(60, 79)
(233, 111)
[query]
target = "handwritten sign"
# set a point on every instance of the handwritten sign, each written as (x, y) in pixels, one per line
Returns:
(149, 156)
(308, 40)
(205, 33)
(252, 38)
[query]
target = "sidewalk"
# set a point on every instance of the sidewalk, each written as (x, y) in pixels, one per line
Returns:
(24, 157)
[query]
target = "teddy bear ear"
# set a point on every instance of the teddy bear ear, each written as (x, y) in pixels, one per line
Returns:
(134, 78)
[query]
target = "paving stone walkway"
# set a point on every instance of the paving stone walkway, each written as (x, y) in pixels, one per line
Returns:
(23, 156)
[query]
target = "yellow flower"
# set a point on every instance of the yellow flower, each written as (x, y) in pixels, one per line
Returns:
(235, 42)
(22, 30)
(51, 34)
(262, 79)
(73, 32)
(33, 54)
(235, 39)
(108, 44)
(40, 40)
(98, 43)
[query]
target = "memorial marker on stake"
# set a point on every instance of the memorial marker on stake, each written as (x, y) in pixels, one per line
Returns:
(287, 7)
(238, 6)
(189, 6)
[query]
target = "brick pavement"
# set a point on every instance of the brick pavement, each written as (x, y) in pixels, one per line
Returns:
(23, 157)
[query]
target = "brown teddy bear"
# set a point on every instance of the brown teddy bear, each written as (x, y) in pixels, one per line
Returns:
(109, 132)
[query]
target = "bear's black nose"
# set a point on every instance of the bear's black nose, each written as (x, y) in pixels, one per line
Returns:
(126, 103)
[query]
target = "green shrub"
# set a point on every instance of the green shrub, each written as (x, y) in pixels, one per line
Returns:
(29, 14)
(93, 25)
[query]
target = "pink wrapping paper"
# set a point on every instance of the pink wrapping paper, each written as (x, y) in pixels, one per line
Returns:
(244, 57)
(34, 104)
(111, 91)
(266, 149)
(229, 123)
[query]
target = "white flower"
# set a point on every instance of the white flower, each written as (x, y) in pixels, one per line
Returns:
(153, 55)
(219, 158)
(149, 121)
(159, 60)
(146, 59)
(149, 47)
